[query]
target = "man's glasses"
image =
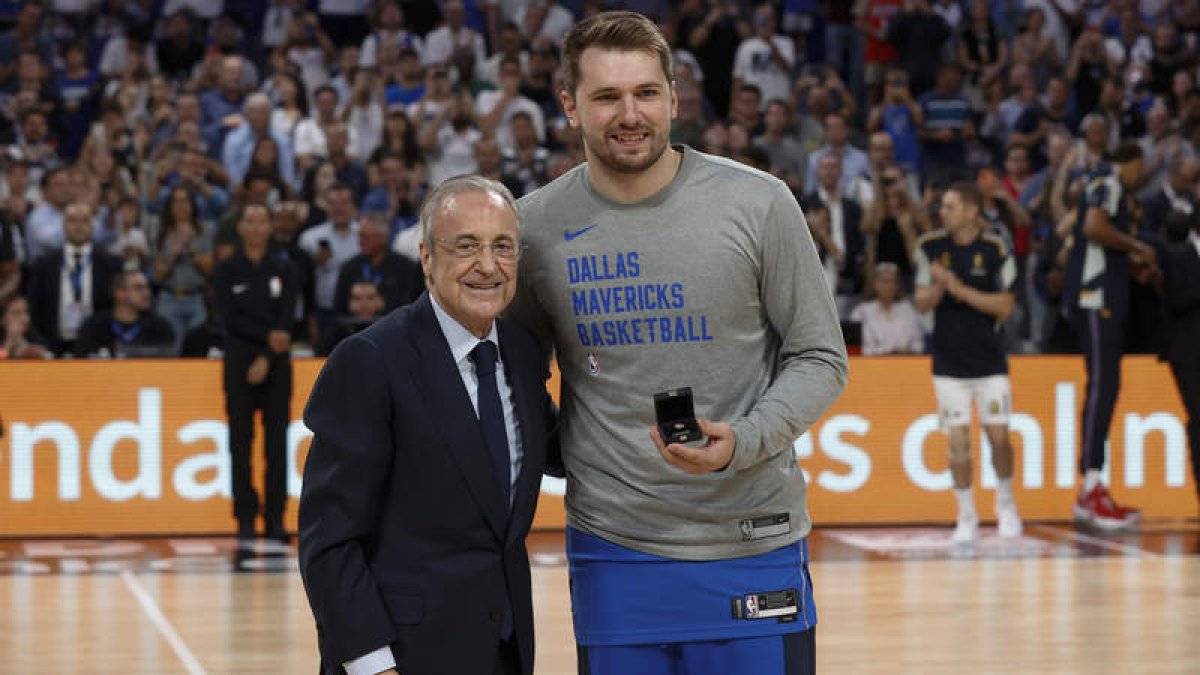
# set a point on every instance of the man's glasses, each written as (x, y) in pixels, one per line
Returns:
(465, 248)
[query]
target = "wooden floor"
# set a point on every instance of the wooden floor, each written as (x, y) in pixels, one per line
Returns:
(890, 601)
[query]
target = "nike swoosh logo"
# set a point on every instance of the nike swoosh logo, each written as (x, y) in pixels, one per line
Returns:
(239, 288)
(572, 236)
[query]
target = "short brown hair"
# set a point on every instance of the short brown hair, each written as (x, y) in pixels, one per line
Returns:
(968, 192)
(619, 31)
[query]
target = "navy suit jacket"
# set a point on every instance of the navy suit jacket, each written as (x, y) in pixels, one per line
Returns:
(45, 289)
(403, 537)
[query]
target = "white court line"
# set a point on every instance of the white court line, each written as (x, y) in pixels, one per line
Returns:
(1097, 541)
(160, 622)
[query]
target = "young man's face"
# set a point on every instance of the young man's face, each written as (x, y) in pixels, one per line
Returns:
(624, 105)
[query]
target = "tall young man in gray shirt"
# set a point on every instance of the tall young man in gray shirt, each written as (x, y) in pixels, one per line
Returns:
(652, 268)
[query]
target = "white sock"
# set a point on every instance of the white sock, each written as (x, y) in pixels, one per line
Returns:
(966, 502)
(1004, 493)
(1091, 478)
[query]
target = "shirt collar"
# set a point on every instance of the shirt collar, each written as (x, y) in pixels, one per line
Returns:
(71, 249)
(460, 340)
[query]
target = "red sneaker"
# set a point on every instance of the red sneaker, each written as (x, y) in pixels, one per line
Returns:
(1097, 508)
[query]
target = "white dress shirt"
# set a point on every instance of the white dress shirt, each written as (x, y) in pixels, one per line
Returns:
(71, 314)
(461, 342)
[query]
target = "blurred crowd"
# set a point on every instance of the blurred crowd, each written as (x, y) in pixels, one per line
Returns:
(134, 132)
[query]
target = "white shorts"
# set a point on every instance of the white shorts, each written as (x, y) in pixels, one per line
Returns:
(992, 396)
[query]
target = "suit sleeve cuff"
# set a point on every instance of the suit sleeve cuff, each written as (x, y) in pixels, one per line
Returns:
(377, 661)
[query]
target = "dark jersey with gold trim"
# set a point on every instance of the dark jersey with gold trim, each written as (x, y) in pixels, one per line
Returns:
(967, 343)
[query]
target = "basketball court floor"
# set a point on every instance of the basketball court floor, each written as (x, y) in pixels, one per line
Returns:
(890, 600)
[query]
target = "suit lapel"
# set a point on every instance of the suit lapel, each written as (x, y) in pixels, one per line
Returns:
(524, 400)
(455, 419)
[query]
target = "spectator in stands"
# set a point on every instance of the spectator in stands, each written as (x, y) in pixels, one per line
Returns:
(194, 172)
(438, 96)
(690, 123)
(948, 122)
(78, 85)
(1035, 48)
(347, 170)
(526, 160)
(70, 282)
(837, 142)
(310, 49)
(1129, 43)
(27, 34)
(1124, 120)
(330, 245)
(365, 306)
(179, 52)
(313, 209)
(310, 144)
(399, 138)
(490, 162)
(406, 82)
(397, 278)
(1171, 55)
(33, 144)
(891, 226)
(766, 58)
(44, 227)
(241, 143)
(131, 244)
(1092, 147)
(871, 18)
(395, 195)
(18, 194)
(713, 30)
(221, 107)
(1087, 70)
(510, 45)
(845, 244)
(453, 35)
(129, 327)
(364, 113)
(918, 35)
(18, 339)
(544, 19)
(183, 262)
(449, 141)
(11, 256)
(786, 158)
(387, 20)
(539, 84)
(745, 109)
(890, 324)
(982, 50)
(494, 109)
(184, 109)
(900, 116)
(290, 101)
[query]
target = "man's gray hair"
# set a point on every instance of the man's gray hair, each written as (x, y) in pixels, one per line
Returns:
(453, 187)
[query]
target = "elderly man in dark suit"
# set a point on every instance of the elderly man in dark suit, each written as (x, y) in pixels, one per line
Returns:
(69, 284)
(426, 463)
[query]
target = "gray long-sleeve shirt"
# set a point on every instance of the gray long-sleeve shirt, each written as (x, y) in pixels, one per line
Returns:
(713, 283)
